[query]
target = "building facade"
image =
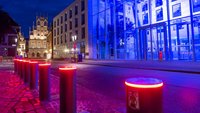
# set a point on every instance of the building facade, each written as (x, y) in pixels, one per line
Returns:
(146, 29)
(50, 44)
(9, 31)
(21, 46)
(71, 31)
(38, 39)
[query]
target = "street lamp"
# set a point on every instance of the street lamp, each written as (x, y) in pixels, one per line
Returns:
(15, 40)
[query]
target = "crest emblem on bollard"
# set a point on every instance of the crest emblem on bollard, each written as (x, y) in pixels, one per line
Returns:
(133, 100)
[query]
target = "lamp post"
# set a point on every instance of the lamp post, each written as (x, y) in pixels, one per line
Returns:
(74, 37)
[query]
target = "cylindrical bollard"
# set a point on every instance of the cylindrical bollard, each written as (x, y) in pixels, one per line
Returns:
(34, 75)
(26, 72)
(144, 95)
(67, 90)
(44, 82)
(15, 65)
(23, 74)
(20, 68)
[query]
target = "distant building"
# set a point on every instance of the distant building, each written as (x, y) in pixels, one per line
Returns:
(9, 30)
(21, 45)
(49, 44)
(38, 39)
(70, 31)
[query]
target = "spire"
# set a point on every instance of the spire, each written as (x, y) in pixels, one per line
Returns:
(29, 30)
(33, 25)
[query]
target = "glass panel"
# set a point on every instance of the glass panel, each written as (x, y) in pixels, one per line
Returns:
(155, 47)
(158, 42)
(179, 8)
(197, 36)
(159, 10)
(196, 6)
(148, 39)
(145, 44)
(130, 26)
(110, 33)
(120, 30)
(143, 12)
(181, 40)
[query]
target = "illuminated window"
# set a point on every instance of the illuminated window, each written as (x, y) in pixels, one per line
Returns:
(76, 33)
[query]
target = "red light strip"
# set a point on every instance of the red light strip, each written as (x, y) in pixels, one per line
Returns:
(68, 68)
(33, 62)
(144, 86)
(25, 61)
(44, 64)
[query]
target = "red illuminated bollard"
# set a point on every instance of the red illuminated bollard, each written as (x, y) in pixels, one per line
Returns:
(34, 75)
(15, 65)
(23, 74)
(26, 72)
(67, 90)
(20, 68)
(44, 82)
(144, 95)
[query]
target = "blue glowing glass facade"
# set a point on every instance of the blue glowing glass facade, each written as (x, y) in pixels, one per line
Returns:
(146, 29)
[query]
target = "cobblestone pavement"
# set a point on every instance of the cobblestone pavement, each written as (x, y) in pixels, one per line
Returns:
(16, 97)
(100, 89)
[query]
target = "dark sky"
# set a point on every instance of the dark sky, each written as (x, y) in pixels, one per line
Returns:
(24, 11)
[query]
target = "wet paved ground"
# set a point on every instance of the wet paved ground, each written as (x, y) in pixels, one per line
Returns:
(100, 89)
(18, 98)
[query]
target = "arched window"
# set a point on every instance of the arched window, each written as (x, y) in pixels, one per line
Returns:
(33, 54)
(45, 23)
(38, 22)
(45, 55)
(38, 54)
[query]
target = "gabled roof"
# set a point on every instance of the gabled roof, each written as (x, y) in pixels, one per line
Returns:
(7, 24)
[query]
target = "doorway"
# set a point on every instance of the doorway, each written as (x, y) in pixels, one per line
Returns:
(153, 42)
(181, 41)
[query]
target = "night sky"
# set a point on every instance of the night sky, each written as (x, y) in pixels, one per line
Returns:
(24, 11)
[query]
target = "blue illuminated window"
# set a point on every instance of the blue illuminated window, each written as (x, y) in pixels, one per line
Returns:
(145, 6)
(145, 18)
(159, 14)
(159, 3)
(176, 9)
(196, 5)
